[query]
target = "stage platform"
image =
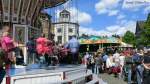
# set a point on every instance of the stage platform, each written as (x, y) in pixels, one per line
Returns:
(63, 74)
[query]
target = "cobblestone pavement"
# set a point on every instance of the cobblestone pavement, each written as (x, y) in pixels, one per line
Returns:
(110, 79)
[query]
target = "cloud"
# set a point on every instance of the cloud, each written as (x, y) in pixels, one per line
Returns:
(116, 29)
(80, 16)
(106, 6)
(91, 31)
(130, 26)
(113, 28)
(147, 10)
(84, 17)
(122, 27)
(119, 29)
(77, 15)
(113, 12)
(120, 16)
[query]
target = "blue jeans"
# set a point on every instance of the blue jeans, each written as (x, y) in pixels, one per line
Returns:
(139, 74)
(97, 69)
(93, 67)
(74, 57)
(42, 61)
(129, 76)
(31, 58)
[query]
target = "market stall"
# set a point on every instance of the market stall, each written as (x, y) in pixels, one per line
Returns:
(93, 43)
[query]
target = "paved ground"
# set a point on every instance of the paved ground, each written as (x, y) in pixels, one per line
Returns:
(110, 79)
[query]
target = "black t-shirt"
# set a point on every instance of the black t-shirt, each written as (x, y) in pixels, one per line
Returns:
(146, 59)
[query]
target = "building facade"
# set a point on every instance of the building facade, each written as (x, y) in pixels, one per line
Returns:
(64, 29)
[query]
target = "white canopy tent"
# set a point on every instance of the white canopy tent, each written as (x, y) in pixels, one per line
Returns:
(125, 45)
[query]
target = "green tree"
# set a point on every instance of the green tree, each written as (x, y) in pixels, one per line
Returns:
(144, 38)
(129, 38)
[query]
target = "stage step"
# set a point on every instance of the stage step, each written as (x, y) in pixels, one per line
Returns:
(70, 74)
(77, 79)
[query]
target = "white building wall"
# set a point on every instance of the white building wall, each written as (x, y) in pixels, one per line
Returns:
(65, 31)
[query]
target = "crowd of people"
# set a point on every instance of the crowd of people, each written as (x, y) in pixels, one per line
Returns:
(40, 50)
(131, 65)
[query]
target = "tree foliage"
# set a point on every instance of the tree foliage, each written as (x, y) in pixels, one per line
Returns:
(129, 38)
(144, 38)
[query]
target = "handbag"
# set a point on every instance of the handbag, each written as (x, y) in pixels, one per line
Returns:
(116, 69)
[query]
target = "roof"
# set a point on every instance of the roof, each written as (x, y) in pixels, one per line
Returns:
(65, 23)
(65, 11)
(53, 3)
(140, 24)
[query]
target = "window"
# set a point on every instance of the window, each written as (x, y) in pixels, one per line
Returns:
(59, 30)
(15, 19)
(59, 39)
(66, 16)
(70, 30)
(6, 17)
(70, 37)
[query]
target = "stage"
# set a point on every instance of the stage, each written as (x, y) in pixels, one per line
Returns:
(62, 74)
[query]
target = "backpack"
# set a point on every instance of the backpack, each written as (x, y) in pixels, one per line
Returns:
(138, 59)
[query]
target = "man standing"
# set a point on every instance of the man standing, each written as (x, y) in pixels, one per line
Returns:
(128, 66)
(31, 51)
(73, 45)
(146, 64)
(104, 60)
(138, 58)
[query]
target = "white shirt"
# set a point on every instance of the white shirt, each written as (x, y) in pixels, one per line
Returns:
(116, 57)
(121, 60)
(109, 62)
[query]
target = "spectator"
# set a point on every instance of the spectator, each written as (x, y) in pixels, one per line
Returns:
(104, 60)
(97, 64)
(121, 63)
(128, 66)
(116, 58)
(146, 64)
(137, 59)
(91, 63)
(86, 59)
(109, 63)
(101, 63)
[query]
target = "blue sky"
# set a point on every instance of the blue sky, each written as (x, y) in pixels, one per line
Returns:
(107, 17)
